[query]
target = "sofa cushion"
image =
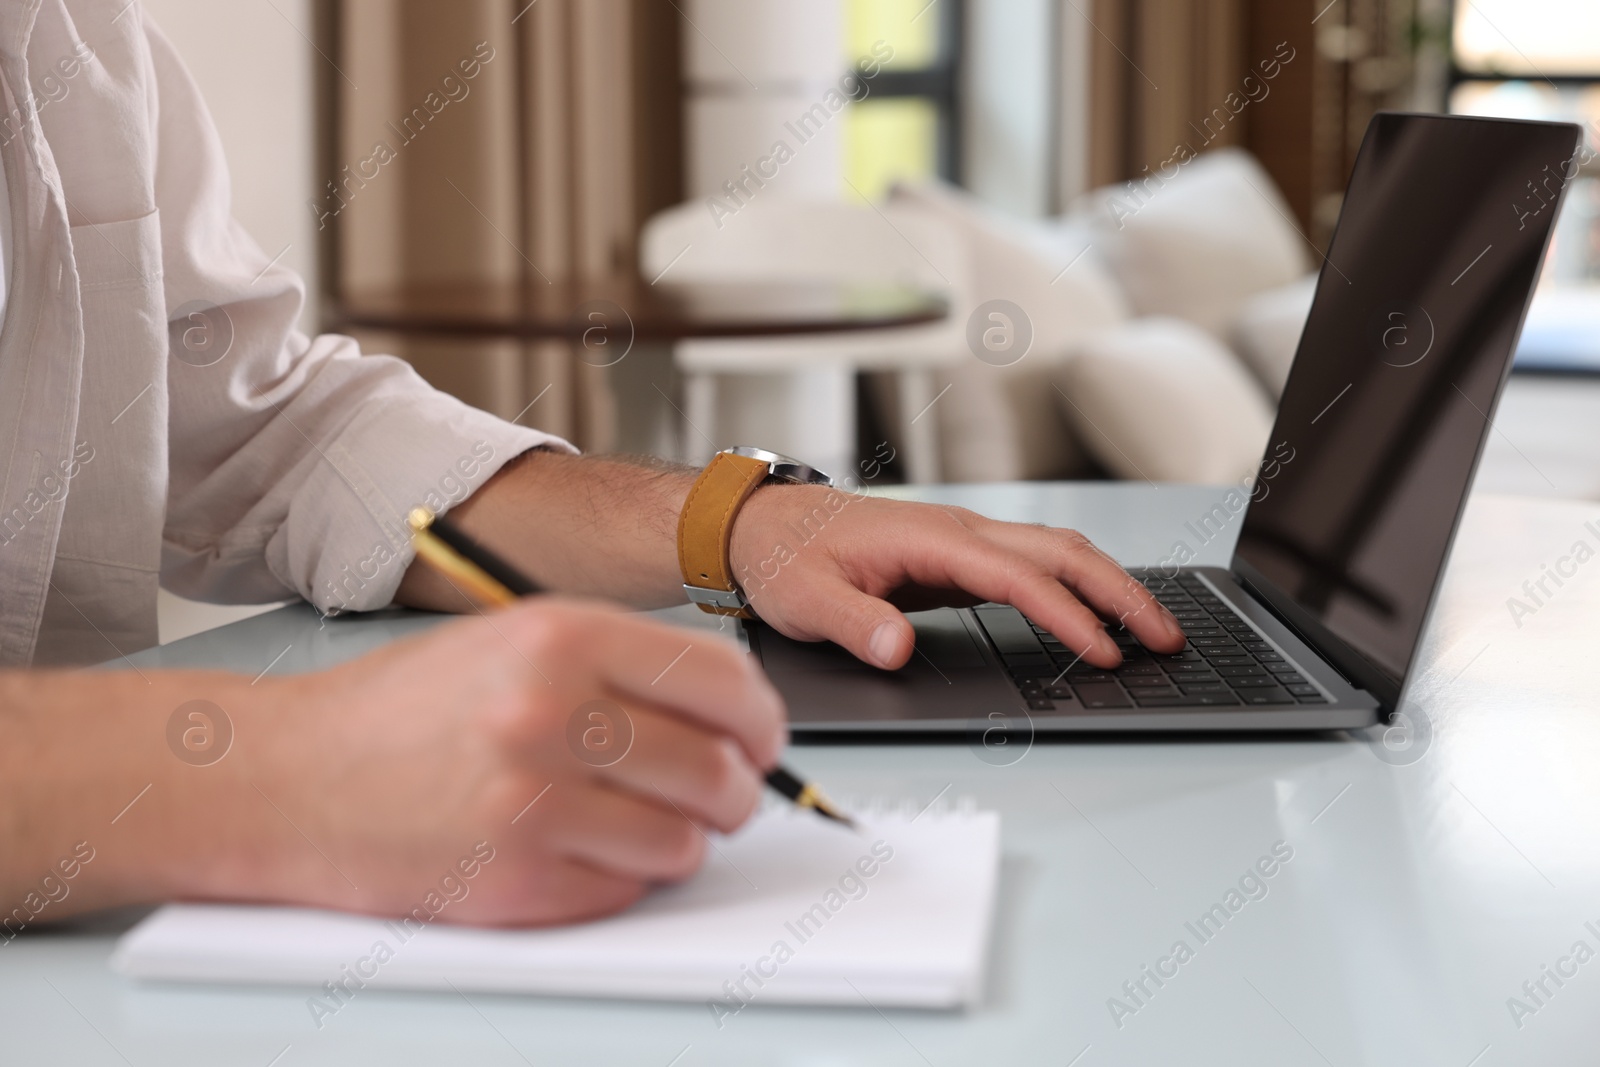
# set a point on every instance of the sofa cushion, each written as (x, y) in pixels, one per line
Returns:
(1197, 239)
(1267, 331)
(1014, 260)
(1160, 400)
(1003, 422)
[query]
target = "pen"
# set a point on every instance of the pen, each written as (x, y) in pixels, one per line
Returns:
(491, 581)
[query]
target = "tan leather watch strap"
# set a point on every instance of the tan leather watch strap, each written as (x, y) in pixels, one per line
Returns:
(705, 526)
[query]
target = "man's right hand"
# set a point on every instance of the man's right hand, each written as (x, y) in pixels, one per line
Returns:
(362, 786)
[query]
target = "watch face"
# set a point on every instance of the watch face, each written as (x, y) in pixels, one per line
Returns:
(783, 467)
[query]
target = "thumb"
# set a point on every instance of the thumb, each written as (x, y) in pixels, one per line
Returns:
(834, 610)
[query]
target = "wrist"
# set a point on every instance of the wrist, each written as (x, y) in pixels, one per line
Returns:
(777, 523)
(219, 829)
(727, 500)
(113, 805)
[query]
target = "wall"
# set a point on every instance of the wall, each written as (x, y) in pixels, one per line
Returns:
(253, 63)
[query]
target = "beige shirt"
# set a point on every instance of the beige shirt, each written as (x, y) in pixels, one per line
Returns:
(161, 419)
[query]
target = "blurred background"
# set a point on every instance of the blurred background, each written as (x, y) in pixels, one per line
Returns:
(1144, 185)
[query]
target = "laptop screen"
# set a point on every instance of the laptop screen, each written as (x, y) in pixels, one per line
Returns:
(1387, 407)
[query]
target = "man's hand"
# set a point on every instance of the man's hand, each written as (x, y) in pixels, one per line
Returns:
(583, 749)
(588, 746)
(825, 563)
(816, 563)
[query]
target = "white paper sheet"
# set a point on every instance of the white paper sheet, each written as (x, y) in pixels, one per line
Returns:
(782, 912)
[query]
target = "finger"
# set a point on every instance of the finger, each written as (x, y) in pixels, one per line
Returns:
(699, 676)
(703, 677)
(705, 774)
(622, 833)
(835, 610)
(954, 556)
(1097, 579)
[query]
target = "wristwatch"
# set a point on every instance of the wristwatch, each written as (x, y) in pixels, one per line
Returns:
(705, 526)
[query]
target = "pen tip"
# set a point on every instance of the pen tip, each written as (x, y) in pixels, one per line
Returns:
(419, 518)
(827, 811)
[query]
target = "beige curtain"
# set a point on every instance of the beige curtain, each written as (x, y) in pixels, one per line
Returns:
(1158, 67)
(526, 143)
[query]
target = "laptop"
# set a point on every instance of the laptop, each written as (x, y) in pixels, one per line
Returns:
(1315, 624)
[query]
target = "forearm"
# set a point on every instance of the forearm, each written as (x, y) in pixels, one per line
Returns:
(599, 526)
(96, 810)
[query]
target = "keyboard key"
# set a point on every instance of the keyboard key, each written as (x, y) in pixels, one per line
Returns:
(1289, 679)
(1041, 705)
(1238, 659)
(1144, 696)
(1011, 633)
(1101, 695)
(1188, 655)
(1267, 682)
(1022, 674)
(1268, 656)
(1142, 681)
(1280, 667)
(1265, 696)
(1318, 699)
(1192, 700)
(1079, 677)
(1189, 668)
(1186, 685)
(1304, 690)
(1241, 672)
(1059, 692)
(1146, 669)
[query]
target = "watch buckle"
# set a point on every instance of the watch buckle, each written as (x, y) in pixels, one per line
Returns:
(722, 599)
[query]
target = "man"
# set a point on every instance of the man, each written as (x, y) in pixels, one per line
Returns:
(135, 453)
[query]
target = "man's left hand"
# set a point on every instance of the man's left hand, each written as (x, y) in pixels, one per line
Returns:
(818, 563)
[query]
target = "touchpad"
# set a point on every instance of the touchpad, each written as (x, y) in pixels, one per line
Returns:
(943, 642)
(947, 677)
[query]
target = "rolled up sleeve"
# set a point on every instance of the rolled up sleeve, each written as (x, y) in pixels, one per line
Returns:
(293, 460)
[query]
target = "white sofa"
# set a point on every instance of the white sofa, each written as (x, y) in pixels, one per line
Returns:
(1165, 318)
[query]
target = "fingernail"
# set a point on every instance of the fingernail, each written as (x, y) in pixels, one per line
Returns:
(884, 643)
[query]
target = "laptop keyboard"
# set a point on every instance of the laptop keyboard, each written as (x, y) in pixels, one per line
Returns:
(1227, 662)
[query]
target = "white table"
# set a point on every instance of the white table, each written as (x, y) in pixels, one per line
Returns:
(1420, 895)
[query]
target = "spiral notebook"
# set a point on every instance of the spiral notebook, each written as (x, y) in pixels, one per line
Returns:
(789, 910)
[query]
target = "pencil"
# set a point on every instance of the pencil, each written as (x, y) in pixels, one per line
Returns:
(490, 581)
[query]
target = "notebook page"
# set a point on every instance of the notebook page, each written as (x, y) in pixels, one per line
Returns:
(790, 909)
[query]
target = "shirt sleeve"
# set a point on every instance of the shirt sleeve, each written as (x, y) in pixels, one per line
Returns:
(293, 460)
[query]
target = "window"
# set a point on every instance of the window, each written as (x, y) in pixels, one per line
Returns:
(906, 125)
(1538, 59)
